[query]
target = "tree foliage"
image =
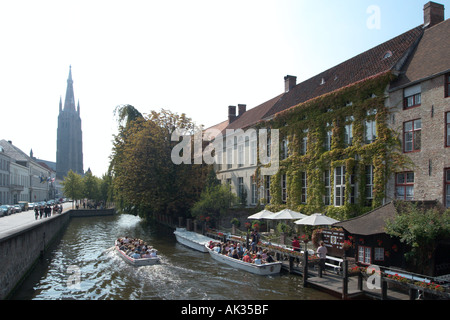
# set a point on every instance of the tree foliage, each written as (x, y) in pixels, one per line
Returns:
(144, 177)
(421, 229)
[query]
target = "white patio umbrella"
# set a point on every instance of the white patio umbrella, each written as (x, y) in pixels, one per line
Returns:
(317, 219)
(287, 214)
(261, 215)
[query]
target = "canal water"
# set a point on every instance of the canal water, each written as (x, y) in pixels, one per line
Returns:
(84, 266)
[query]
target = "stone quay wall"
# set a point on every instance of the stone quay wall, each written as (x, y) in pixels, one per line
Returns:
(21, 249)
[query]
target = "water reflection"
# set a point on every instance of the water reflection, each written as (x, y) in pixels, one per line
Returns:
(84, 265)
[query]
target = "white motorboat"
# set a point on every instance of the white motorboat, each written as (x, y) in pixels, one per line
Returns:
(136, 262)
(259, 269)
(191, 239)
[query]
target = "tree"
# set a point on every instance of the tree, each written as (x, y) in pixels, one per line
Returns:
(73, 186)
(420, 229)
(144, 177)
(214, 202)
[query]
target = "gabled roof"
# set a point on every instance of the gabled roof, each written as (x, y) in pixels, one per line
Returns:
(431, 57)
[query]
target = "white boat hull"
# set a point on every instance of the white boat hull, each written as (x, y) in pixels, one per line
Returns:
(136, 262)
(259, 269)
(192, 239)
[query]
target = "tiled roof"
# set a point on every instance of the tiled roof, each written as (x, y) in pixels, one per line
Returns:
(374, 222)
(431, 57)
(356, 69)
(363, 66)
(253, 115)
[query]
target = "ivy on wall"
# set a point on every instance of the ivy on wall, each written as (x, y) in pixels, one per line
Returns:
(361, 102)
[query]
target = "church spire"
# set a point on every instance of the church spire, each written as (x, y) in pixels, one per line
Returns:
(69, 103)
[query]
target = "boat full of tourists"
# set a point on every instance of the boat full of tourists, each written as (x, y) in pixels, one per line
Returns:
(136, 252)
(263, 269)
(191, 239)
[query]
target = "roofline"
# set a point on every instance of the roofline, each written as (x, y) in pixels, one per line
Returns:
(419, 80)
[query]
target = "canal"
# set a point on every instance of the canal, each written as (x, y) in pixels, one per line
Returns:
(83, 265)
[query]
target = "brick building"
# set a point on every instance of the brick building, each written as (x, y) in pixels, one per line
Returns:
(352, 138)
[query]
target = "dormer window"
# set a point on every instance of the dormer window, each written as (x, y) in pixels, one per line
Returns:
(387, 55)
(412, 96)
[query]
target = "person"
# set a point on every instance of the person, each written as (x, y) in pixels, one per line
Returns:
(235, 254)
(258, 259)
(136, 255)
(36, 212)
(247, 257)
(296, 244)
(322, 253)
(146, 255)
(153, 253)
(269, 258)
(217, 248)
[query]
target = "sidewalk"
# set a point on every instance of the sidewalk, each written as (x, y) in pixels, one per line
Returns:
(10, 224)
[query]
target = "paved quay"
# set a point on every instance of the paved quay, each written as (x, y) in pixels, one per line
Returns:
(17, 221)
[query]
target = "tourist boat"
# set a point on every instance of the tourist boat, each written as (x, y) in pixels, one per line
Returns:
(192, 240)
(259, 269)
(136, 262)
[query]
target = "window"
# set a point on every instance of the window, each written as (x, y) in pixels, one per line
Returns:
(348, 133)
(304, 185)
(267, 188)
(304, 147)
(412, 134)
(328, 136)
(378, 254)
(339, 186)
(364, 255)
(404, 185)
(240, 187)
(412, 96)
(283, 188)
(370, 127)
(240, 155)
(447, 188)
(327, 183)
(254, 190)
(369, 185)
(447, 129)
(284, 149)
(447, 85)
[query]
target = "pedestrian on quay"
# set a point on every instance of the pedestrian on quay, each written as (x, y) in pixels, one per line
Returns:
(36, 212)
(296, 244)
(41, 212)
(322, 253)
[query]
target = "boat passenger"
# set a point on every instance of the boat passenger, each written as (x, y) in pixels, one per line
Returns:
(258, 259)
(152, 253)
(247, 257)
(217, 248)
(136, 255)
(146, 254)
(235, 254)
(269, 258)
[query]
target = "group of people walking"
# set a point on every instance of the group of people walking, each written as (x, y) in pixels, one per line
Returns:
(46, 211)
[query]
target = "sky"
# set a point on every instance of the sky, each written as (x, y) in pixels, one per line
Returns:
(188, 56)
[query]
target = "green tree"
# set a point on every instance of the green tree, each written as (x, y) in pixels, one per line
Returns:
(214, 202)
(72, 185)
(91, 186)
(145, 180)
(421, 230)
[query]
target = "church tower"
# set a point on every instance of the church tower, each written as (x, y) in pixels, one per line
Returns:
(69, 143)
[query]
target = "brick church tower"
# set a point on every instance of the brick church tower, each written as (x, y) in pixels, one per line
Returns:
(69, 143)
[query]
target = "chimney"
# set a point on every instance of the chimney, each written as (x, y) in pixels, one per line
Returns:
(433, 13)
(289, 83)
(242, 109)
(231, 113)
